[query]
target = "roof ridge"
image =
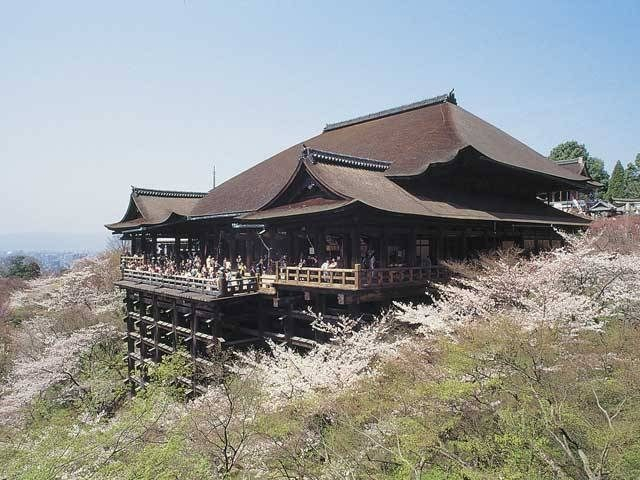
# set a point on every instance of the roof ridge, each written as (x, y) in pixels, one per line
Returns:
(445, 98)
(568, 161)
(323, 156)
(150, 192)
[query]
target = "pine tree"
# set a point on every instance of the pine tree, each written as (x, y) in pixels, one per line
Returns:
(632, 174)
(617, 182)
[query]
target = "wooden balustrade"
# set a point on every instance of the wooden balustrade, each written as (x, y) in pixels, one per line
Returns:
(335, 278)
(234, 286)
(356, 278)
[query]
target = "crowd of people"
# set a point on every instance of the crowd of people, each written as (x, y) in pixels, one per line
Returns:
(191, 265)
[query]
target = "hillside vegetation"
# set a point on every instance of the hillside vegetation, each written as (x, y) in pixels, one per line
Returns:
(522, 367)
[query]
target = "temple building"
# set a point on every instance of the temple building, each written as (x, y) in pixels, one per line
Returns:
(361, 214)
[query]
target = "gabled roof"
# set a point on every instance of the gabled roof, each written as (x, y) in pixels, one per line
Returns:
(409, 139)
(575, 165)
(358, 184)
(601, 206)
(149, 207)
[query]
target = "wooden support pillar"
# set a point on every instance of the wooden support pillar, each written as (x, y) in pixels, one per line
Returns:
(289, 324)
(355, 247)
(291, 252)
(142, 310)
(143, 244)
(176, 246)
(232, 247)
(203, 247)
(154, 244)
(134, 244)
(411, 247)
(194, 330)
(382, 254)
(250, 248)
(262, 320)
(320, 303)
(440, 245)
(464, 244)
(174, 324)
(156, 330)
(194, 344)
(130, 343)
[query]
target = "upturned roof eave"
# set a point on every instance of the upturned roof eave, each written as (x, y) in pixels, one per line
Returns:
(579, 184)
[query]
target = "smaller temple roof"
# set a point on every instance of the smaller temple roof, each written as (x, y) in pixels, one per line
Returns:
(359, 182)
(575, 165)
(148, 207)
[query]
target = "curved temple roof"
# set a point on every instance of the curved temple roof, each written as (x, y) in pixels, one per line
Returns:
(358, 183)
(360, 160)
(409, 139)
(149, 207)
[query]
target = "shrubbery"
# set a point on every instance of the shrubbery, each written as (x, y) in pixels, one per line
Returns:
(521, 368)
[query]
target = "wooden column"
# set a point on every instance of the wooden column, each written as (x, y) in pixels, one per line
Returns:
(411, 247)
(154, 244)
(466, 234)
(250, 248)
(142, 331)
(321, 252)
(134, 244)
(156, 330)
(203, 246)
(355, 247)
(440, 246)
(130, 343)
(292, 251)
(176, 246)
(382, 254)
(174, 324)
(262, 320)
(143, 244)
(232, 247)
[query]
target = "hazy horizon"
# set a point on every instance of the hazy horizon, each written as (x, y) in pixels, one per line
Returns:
(101, 96)
(54, 242)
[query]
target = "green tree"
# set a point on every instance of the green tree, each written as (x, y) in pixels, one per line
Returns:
(568, 150)
(617, 183)
(23, 267)
(595, 167)
(632, 177)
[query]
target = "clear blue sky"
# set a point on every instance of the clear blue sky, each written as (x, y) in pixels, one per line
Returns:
(97, 96)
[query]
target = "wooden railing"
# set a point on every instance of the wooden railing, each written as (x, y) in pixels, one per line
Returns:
(356, 278)
(234, 286)
(335, 278)
(343, 278)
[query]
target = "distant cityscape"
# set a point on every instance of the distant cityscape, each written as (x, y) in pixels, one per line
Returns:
(49, 261)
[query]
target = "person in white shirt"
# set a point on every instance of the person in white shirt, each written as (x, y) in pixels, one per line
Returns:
(325, 271)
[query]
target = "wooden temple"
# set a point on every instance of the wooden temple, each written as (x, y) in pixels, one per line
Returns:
(387, 197)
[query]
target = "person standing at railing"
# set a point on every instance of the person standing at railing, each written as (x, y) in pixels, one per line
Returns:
(222, 282)
(242, 269)
(325, 271)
